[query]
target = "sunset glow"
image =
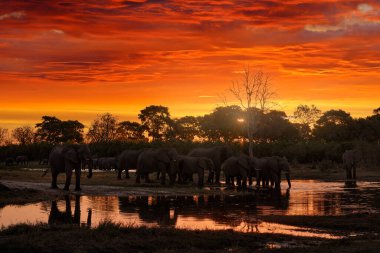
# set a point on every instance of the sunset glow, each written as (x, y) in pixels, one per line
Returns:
(75, 60)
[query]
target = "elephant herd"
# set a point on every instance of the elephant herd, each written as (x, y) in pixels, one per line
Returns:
(168, 162)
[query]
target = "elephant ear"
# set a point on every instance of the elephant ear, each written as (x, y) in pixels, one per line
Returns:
(243, 162)
(71, 154)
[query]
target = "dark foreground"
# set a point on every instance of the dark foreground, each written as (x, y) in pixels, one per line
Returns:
(109, 237)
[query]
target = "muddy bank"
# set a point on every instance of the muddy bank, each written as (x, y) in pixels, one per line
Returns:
(141, 190)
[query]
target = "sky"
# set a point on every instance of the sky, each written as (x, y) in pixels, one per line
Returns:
(78, 59)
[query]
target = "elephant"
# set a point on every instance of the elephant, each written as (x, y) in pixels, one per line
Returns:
(269, 169)
(22, 159)
(163, 160)
(9, 161)
(107, 163)
(188, 165)
(65, 158)
(241, 167)
(217, 154)
(350, 160)
(128, 160)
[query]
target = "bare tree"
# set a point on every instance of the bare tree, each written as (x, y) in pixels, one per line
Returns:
(23, 135)
(253, 91)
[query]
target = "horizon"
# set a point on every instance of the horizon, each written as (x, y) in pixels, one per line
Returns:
(78, 60)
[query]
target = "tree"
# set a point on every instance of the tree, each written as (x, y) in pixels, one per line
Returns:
(187, 128)
(156, 121)
(223, 124)
(3, 136)
(253, 91)
(127, 130)
(54, 130)
(334, 125)
(274, 126)
(23, 135)
(49, 130)
(103, 128)
(306, 116)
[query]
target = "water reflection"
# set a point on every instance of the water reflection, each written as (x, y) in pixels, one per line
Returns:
(241, 213)
(66, 217)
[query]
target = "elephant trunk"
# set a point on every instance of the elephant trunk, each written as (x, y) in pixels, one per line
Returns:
(287, 174)
(90, 165)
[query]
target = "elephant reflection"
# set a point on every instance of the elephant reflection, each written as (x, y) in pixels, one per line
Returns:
(151, 209)
(58, 217)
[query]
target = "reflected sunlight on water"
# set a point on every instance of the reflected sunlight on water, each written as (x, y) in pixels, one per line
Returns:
(239, 213)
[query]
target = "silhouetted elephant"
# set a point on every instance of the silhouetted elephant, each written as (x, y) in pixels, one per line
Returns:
(241, 167)
(22, 159)
(163, 160)
(350, 160)
(217, 154)
(188, 166)
(67, 158)
(269, 169)
(107, 163)
(128, 160)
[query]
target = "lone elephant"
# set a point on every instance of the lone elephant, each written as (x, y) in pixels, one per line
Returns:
(241, 167)
(161, 160)
(350, 160)
(65, 158)
(128, 160)
(217, 154)
(268, 169)
(188, 165)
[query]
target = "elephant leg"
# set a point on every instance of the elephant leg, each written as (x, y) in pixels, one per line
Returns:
(238, 181)
(68, 179)
(217, 177)
(77, 179)
(354, 172)
(250, 181)
(127, 174)
(138, 175)
(200, 178)
(348, 172)
(163, 175)
(244, 182)
(119, 173)
(147, 179)
(54, 176)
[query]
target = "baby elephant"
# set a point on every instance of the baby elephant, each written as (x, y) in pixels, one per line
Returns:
(241, 167)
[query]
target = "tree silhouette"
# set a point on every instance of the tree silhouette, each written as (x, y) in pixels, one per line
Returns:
(23, 135)
(187, 128)
(334, 125)
(103, 128)
(306, 116)
(54, 130)
(128, 130)
(156, 121)
(222, 124)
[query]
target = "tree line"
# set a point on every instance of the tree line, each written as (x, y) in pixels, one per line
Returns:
(224, 124)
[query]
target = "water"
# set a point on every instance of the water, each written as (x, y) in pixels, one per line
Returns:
(239, 213)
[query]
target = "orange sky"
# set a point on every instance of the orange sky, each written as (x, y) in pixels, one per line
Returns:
(75, 60)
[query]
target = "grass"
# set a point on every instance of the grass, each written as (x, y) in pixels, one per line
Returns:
(111, 237)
